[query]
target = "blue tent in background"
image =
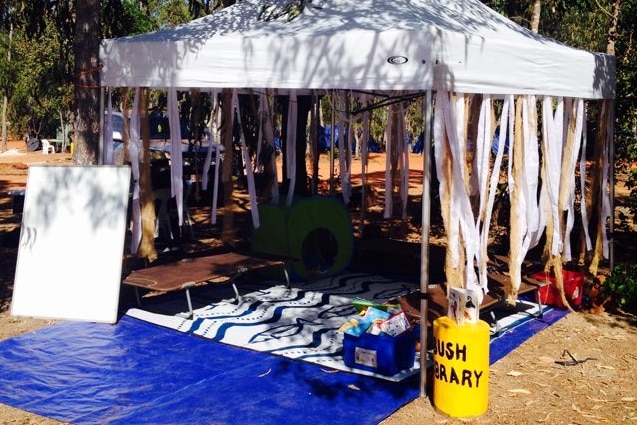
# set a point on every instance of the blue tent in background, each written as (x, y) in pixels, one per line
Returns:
(373, 146)
(325, 137)
(496, 142)
(325, 140)
(420, 142)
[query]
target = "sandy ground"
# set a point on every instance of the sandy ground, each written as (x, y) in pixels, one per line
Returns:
(528, 386)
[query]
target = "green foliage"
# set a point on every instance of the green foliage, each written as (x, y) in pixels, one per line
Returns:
(39, 93)
(125, 17)
(168, 13)
(631, 183)
(621, 286)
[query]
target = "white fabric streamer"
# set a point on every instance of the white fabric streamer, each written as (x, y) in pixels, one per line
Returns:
(388, 153)
(134, 150)
(404, 163)
(213, 128)
(364, 152)
(578, 108)
(107, 154)
(480, 185)
(582, 169)
(176, 161)
(461, 220)
(441, 158)
(268, 133)
(552, 144)
(345, 139)
(214, 145)
(528, 185)
(290, 146)
(497, 164)
(252, 193)
(606, 205)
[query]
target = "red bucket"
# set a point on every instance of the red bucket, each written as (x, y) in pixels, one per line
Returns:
(573, 288)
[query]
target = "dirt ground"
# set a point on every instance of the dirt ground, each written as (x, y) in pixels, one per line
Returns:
(528, 386)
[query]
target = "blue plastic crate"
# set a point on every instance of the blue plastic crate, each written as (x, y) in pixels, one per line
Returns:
(385, 355)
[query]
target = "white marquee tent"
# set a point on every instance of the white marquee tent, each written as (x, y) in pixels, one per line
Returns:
(460, 46)
(450, 47)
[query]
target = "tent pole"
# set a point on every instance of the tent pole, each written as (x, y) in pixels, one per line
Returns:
(424, 244)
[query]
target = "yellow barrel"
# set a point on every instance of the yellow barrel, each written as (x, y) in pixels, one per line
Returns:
(461, 367)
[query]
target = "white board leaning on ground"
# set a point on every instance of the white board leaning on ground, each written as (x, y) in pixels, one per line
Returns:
(71, 243)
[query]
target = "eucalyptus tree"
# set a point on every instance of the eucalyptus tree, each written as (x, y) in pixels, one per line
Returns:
(78, 27)
(6, 41)
(39, 95)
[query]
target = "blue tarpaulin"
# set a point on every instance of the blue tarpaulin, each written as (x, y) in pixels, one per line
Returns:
(137, 373)
(134, 372)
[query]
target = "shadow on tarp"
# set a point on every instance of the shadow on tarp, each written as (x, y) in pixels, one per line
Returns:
(134, 372)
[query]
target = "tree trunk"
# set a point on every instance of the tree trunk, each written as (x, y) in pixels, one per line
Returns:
(4, 123)
(5, 99)
(535, 19)
(87, 82)
(146, 197)
(612, 31)
(228, 232)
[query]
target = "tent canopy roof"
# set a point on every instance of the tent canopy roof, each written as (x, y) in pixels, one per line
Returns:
(456, 45)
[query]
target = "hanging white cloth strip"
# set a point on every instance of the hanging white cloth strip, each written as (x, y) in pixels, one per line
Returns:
(576, 112)
(252, 193)
(442, 157)
(552, 143)
(582, 170)
(481, 181)
(364, 100)
(213, 128)
(214, 146)
(531, 175)
(389, 185)
(404, 163)
(107, 154)
(260, 135)
(523, 187)
(134, 150)
(495, 173)
(268, 133)
(605, 183)
(290, 146)
(461, 201)
(461, 224)
(349, 148)
(343, 141)
(176, 161)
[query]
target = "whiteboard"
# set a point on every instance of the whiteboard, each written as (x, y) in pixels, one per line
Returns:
(72, 243)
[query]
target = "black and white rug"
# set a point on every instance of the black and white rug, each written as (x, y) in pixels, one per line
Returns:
(298, 323)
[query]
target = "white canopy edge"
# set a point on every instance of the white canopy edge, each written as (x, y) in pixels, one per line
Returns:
(451, 45)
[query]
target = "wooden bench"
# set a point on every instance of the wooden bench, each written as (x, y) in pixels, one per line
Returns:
(438, 302)
(198, 271)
